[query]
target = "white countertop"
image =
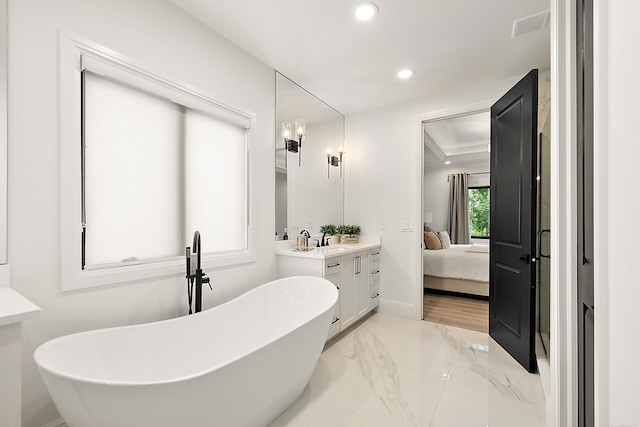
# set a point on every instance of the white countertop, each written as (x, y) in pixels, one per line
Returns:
(15, 308)
(283, 248)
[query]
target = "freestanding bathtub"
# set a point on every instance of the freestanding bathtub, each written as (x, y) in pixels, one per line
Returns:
(238, 364)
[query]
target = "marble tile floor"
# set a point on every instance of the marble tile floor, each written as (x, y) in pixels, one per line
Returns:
(390, 371)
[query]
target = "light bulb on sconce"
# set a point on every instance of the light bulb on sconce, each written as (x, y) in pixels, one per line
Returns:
(300, 126)
(291, 145)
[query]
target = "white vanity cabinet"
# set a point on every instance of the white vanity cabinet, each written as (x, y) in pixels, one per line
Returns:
(374, 278)
(351, 270)
(355, 269)
(333, 273)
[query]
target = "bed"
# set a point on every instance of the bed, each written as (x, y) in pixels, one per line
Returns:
(459, 268)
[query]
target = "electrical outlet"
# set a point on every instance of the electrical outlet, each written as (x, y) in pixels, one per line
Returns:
(383, 226)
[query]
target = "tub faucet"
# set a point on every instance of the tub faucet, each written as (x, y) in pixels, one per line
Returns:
(196, 275)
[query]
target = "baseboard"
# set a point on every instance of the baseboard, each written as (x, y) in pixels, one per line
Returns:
(56, 423)
(397, 309)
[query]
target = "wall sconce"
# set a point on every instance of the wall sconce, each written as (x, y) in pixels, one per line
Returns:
(334, 161)
(291, 145)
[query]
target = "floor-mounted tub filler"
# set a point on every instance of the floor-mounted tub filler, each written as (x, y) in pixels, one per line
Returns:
(238, 364)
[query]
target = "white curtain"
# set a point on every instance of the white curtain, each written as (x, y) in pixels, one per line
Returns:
(458, 218)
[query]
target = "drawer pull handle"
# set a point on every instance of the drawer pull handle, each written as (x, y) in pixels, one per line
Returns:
(335, 320)
(375, 296)
(333, 265)
(375, 272)
(377, 253)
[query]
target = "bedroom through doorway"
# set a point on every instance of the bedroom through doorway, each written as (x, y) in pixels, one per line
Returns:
(456, 220)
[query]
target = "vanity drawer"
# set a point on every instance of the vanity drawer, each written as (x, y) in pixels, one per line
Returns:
(335, 321)
(374, 295)
(375, 254)
(332, 266)
(374, 271)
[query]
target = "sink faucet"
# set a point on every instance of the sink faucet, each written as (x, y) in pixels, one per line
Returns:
(196, 275)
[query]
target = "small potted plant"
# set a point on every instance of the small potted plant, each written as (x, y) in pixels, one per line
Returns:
(349, 234)
(328, 230)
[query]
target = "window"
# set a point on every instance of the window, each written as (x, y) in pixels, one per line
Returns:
(479, 212)
(153, 173)
(146, 163)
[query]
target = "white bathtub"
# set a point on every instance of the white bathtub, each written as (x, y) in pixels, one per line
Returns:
(239, 364)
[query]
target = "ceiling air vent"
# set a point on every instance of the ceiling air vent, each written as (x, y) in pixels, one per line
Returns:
(530, 23)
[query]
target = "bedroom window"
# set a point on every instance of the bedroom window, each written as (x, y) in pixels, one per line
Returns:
(479, 212)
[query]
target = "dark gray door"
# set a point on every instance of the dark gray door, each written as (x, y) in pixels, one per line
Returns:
(514, 128)
(586, 417)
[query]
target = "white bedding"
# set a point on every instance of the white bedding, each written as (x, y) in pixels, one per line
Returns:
(456, 262)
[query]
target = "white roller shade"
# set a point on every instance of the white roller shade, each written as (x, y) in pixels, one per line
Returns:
(144, 81)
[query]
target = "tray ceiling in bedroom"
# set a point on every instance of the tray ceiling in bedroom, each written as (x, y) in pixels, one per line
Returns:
(461, 140)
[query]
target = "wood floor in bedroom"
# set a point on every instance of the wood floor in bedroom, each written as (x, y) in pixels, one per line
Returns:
(455, 310)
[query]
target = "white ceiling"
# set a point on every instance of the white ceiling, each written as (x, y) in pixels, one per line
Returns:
(460, 140)
(352, 66)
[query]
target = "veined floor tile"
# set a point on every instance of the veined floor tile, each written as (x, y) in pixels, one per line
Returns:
(382, 326)
(397, 372)
(424, 346)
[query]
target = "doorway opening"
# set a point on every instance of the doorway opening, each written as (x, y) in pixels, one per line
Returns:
(456, 198)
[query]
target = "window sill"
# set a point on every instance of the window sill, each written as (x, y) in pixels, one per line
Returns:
(76, 279)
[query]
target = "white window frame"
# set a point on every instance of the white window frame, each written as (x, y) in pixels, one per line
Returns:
(74, 53)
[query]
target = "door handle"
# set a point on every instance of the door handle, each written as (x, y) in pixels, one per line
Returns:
(540, 233)
(526, 258)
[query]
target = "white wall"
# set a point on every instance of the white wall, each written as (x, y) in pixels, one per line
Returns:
(617, 152)
(383, 183)
(151, 32)
(436, 189)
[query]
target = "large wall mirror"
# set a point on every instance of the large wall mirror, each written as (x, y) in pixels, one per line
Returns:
(310, 176)
(3, 131)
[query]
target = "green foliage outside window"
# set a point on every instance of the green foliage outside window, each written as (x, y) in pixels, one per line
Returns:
(479, 211)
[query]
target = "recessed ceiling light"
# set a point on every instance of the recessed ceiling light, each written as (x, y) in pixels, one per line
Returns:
(448, 162)
(365, 12)
(406, 73)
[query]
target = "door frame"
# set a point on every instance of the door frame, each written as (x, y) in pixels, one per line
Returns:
(476, 107)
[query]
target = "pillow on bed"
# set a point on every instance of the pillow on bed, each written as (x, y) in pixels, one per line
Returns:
(445, 240)
(428, 229)
(432, 241)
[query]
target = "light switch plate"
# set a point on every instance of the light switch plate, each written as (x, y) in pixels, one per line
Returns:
(406, 226)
